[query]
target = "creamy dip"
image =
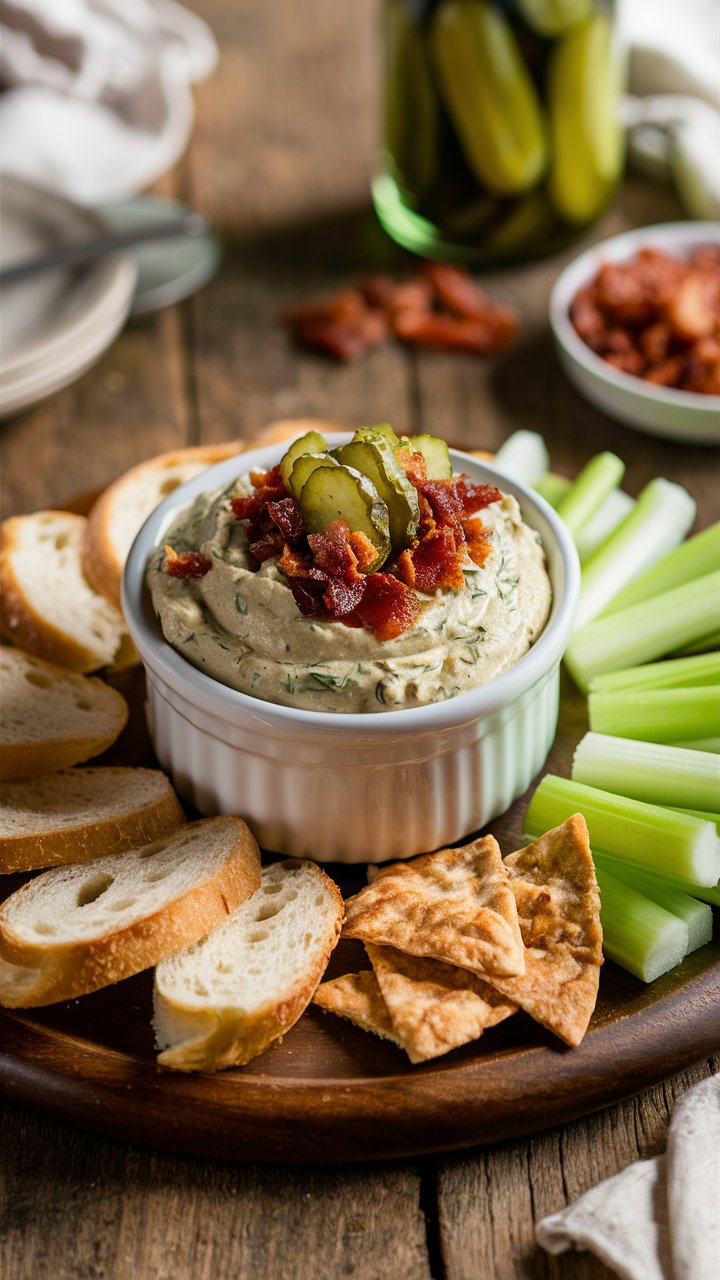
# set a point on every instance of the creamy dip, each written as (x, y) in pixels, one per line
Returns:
(241, 625)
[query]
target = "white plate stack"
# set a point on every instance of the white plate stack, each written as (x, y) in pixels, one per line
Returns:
(56, 325)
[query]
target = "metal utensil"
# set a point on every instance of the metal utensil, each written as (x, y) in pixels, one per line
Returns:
(189, 228)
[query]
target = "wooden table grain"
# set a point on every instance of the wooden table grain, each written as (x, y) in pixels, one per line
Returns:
(280, 159)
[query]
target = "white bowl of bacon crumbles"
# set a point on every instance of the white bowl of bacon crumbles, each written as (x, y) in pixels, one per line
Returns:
(636, 320)
(354, 643)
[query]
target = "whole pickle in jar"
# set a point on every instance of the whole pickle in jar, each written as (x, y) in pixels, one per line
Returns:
(489, 94)
(527, 223)
(552, 18)
(411, 111)
(584, 85)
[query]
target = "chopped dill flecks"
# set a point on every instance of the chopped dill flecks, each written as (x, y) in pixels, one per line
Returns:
(290, 682)
(431, 666)
(240, 604)
(314, 627)
(217, 554)
(321, 680)
(380, 692)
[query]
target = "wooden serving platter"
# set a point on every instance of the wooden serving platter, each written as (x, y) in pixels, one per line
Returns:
(330, 1092)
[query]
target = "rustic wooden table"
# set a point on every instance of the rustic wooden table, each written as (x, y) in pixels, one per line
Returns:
(280, 159)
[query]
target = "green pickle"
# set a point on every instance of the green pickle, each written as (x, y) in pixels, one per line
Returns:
(502, 132)
(335, 491)
(489, 95)
(311, 442)
(584, 93)
(375, 458)
(411, 112)
(554, 17)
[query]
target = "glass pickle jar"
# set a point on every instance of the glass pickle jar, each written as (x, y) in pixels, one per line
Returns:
(501, 124)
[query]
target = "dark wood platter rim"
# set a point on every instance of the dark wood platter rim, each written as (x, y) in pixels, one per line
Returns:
(446, 1105)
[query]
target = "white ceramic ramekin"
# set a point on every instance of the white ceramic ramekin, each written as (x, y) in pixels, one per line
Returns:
(355, 787)
(661, 411)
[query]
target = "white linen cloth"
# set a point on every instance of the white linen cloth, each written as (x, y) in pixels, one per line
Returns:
(674, 108)
(98, 100)
(658, 1219)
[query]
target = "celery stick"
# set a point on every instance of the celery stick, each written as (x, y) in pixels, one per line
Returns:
(699, 744)
(697, 915)
(705, 815)
(676, 673)
(648, 771)
(523, 456)
(656, 715)
(552, 487)
(706, 893)
(670, 843)
(693, 559)
(639, 935)
(659, 520)
(616, 507)
(597, 479)
(644, 631)
(700, 646)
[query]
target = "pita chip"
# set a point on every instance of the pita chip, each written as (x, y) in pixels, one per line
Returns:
(357, 997)
(434, 1007)
(455, 905)
(553, 880)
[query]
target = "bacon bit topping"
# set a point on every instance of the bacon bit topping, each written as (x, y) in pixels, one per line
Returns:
(333, 553)
(268, 545)
(478, 540)
(414, 466)
(388, 606)
(437, 561)
(341, 597)
(451, 499)
(287, 516)
(186, 564)
(308, 597)
(364, 550)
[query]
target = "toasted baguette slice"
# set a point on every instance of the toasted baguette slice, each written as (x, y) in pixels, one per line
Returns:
(80, 814)
(48, 607)
(224, 1000)
(52, 718)
(125, 506)
(75, 929)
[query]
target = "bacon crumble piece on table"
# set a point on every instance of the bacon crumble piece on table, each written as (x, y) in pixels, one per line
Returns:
(439, 307)
(186, 564)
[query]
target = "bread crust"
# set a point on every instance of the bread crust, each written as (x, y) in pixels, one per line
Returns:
(227, 1037)
(93, 839)
(21, 623)
(27, 759)
(67, 970)
(100, 564)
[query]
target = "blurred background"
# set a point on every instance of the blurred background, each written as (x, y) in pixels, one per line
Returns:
(321, 144)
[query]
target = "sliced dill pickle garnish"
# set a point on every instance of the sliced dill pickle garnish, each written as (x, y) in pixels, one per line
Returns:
(311, 442)
(377, 429)
(435, 452)
(334, 491)
(303, 467)
(374, 457)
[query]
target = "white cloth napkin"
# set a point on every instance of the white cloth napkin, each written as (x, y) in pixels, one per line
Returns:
(658, 1219)
(674, 106)
(98, 102)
